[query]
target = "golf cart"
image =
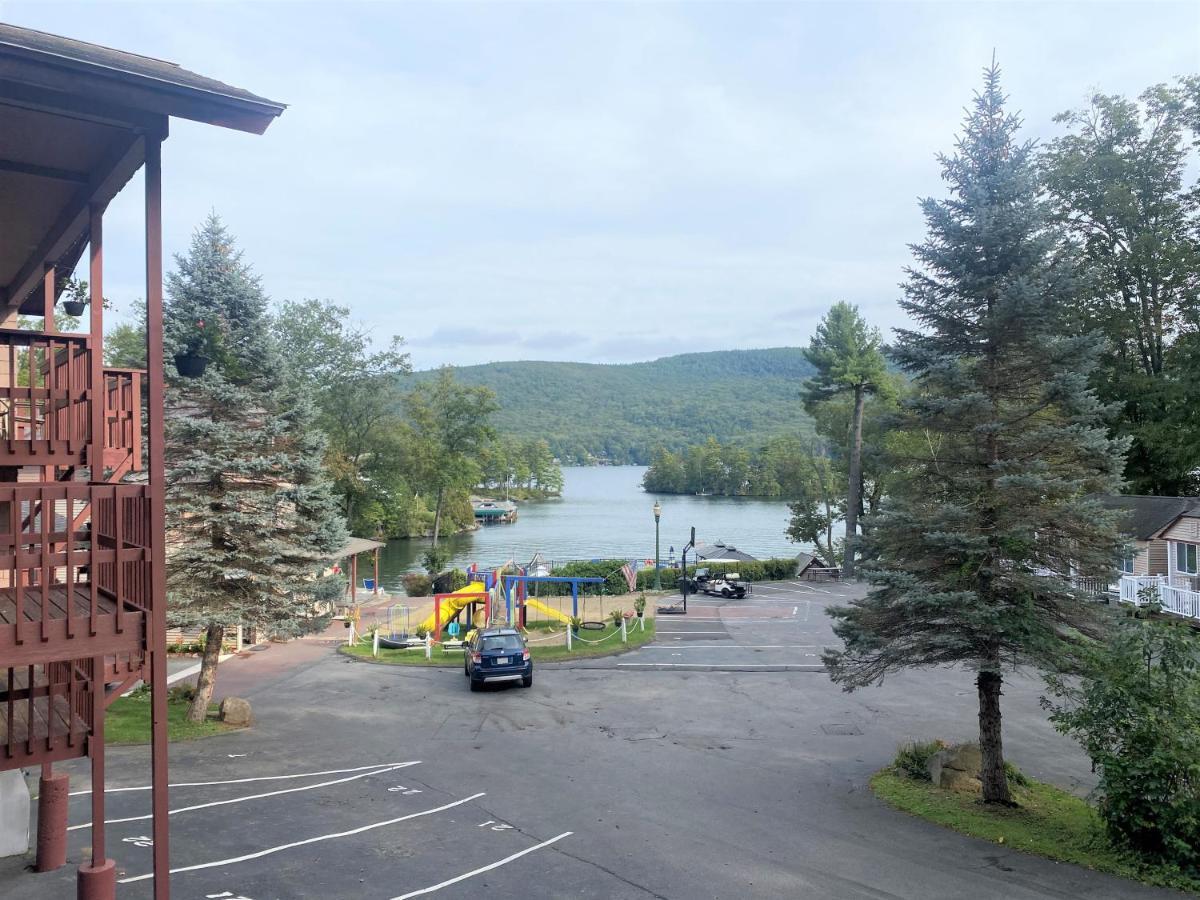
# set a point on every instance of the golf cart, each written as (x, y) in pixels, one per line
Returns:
(727, 586)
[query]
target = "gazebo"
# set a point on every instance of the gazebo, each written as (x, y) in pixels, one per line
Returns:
(82, 581)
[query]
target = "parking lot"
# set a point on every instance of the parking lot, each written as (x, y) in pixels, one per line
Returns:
(718, 762)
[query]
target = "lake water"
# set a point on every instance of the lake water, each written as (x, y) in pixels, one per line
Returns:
(603, 513)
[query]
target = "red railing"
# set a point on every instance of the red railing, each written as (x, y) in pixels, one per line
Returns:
(45, 392)
(47, 561)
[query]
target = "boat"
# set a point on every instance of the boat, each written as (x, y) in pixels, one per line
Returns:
(488, 510)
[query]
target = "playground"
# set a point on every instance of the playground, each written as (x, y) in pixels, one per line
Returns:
(560, 616)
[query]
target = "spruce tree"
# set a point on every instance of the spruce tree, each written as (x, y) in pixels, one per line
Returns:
(252, 521)
(977, 547)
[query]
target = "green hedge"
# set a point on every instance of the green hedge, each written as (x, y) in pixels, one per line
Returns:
(610, 570)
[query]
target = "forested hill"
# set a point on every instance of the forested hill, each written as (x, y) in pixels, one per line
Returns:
(619, 413)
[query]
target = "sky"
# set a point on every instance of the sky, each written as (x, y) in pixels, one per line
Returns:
(597, 182)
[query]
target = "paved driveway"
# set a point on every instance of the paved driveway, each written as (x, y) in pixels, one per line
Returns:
(717, 763)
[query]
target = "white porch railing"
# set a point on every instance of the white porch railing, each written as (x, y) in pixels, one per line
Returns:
(1178, 600)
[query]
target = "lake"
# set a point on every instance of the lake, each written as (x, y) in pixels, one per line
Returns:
(603, 513)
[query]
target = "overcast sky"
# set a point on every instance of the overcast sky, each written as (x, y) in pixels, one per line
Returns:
(598, 182)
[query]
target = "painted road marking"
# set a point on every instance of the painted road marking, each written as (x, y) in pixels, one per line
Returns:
(258, 854)
(729, 665)
(184, 784)
(488, 868)
(690, 632)
(675, 647)
(307, 787)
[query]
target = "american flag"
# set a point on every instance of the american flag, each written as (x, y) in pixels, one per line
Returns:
(630, 576)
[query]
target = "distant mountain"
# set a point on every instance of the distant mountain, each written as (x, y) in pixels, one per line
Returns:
(620, 412)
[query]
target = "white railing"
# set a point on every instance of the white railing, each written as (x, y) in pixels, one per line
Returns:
(1178, 600)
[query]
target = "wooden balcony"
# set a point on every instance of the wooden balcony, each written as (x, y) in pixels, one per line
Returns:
(74, 571)
(46, 712)
(45, 404)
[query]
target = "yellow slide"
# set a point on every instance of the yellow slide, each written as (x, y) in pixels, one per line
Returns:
(451, 606)
(543, 608)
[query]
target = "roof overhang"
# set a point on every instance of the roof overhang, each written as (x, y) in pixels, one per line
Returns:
(74, 121)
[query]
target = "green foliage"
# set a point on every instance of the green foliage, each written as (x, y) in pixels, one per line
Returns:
(615, 616)
(521, 469)
(977, 546)
(620, 413)
(451, 422)
(417, 584)
(1136, 713)
(125, 345)
(1117, 182)
(253, 521)
(458, 579)
(777, 468)
(356, 390)
(846, 355)
(912, 759)
(434, 559)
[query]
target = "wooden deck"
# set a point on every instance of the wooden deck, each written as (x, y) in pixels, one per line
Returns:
(27, 638)
(38, 724)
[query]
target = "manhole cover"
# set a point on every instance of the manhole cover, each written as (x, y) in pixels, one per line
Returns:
(841, 729)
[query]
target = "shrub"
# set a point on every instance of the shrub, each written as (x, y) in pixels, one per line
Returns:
(615, 617)
(417, 584)
(639, 604)
(434, 559)
(912, 759)
(458, 579)
(1136, 711)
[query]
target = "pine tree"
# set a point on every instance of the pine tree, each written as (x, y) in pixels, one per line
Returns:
(977, 546)
(846, 354)
(252, 521)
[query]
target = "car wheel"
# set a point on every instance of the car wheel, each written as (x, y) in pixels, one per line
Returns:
(726, 593)
(527, 681)
(466, 671)
(476, 685)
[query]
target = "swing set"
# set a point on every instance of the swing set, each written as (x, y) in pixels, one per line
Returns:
(517, 602)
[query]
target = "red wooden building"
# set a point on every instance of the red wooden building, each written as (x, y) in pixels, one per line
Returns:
(82, 614)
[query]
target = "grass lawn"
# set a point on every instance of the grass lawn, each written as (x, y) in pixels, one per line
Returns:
(539, 651)
(1048, 822)
(127, 721)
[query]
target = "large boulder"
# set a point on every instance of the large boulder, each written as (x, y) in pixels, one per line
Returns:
(236, 712)
(956, 768)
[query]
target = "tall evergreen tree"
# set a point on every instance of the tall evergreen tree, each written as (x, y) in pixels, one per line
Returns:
(976, 549)
(252, 522)
(846, 354)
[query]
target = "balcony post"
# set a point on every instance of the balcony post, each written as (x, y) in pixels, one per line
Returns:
(96, 393)
(157, 630)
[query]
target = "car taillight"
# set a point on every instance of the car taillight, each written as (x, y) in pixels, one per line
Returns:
(475, 657)
(525, 654)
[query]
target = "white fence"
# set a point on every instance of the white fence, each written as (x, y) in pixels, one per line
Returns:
(1178, 600)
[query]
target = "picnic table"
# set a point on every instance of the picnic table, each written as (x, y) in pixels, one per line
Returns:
(822, 573)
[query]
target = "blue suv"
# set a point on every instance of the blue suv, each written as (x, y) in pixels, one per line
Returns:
(497, 654)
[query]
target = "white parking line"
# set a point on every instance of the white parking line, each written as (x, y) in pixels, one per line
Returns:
(487, 868)
(813, 666)
(675, 647)
(312, 840)
(307, 787)
(689, 632)
(186, 784)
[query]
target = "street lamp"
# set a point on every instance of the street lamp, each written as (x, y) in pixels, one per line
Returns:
(657, 571)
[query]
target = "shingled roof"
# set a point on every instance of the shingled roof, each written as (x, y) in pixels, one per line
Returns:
(1146, 516)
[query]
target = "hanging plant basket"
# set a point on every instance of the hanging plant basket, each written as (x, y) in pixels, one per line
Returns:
(190, 365)
(74, 307)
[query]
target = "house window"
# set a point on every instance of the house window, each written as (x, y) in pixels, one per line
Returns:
(1185, 559)
(1127, 564)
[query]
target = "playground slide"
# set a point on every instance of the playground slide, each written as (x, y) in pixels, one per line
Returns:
(451, 604)
(543, 608)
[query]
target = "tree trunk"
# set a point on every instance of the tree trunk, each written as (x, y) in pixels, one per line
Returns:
(437, 516)
(207, 679)
(991, 746)
(854, 489)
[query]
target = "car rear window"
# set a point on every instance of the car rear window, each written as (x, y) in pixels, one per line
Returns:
(502, 642)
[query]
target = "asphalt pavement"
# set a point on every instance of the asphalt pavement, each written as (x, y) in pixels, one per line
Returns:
(719, 762)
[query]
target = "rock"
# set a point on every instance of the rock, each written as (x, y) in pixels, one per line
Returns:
(236, 711)
(956, 768)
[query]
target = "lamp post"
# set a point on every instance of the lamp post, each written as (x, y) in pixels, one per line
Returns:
(657, 570)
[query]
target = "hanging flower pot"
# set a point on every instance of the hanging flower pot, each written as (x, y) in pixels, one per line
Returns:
(190, 365)
(74, 307)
